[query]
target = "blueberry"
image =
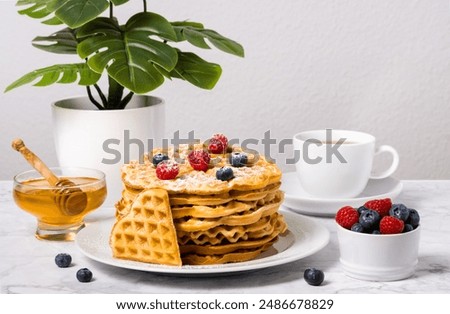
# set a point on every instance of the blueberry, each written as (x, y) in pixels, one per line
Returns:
(408, 228)
(376, 231)
(238, 159)
(158, 158)
(313, 276)
(63, 260)
(84, 275)
(224, 174)
(399, 211)
(362, 209)
(369, 219)
(413, 218)
(357, 227)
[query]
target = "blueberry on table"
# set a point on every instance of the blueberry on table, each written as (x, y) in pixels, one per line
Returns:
(313, 276)
(63, 260)
(84, 275)
(238, 159)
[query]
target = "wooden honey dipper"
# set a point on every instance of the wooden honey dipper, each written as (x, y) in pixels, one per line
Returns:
(70, 199)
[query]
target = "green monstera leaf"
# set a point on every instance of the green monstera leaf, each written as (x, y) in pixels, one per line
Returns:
(129, 53)
(73, 13)
(60, 73)
(61, 42)
(196, 71)
(196, 34)
(39, 9)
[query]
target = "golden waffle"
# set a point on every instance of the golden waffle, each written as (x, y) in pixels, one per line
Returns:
(219, 199)
(230, 234)
(240, 219)
(230, 208)
(255, 195)
(190, 199)
(211, 221)
(140, 176)
(231, 247)
(128, 195)
(237, 256)
(147, 233)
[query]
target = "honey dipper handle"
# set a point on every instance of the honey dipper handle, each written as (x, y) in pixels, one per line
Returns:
(35, 161)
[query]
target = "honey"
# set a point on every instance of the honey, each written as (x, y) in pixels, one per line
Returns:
(40, 199)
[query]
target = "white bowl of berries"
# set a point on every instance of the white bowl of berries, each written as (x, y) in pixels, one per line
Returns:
(378, 241)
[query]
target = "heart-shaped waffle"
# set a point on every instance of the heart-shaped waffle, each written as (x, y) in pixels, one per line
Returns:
(147, 233)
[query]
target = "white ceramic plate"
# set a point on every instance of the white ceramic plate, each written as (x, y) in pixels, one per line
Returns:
(298, 200)
(305, 237)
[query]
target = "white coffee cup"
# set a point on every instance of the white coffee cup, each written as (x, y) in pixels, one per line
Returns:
(338, 163)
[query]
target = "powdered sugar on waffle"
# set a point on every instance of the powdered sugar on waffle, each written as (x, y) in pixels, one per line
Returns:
(257, 175)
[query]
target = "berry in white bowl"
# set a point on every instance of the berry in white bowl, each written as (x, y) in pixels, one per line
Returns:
(378, 243)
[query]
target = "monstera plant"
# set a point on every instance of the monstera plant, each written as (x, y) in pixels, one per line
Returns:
(137, 56)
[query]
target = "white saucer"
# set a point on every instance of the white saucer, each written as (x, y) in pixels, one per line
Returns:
(298, 200)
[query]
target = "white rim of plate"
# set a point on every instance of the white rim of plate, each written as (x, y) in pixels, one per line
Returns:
(298, 225)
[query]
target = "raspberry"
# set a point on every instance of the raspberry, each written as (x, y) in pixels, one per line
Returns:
(221, 138)
(215, 146)
(199, 160)
(391, 225)
(381, 206)
(347, 216)
(167, 170)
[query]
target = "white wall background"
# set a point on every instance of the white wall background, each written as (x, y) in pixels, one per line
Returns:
(377, 66)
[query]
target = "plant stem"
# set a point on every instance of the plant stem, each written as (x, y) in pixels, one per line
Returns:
(92, 99)
(115, 94)
(145, 5)
(126, 100)
(111, 10)
(102, 96)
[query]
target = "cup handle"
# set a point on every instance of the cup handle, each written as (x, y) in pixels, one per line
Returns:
(394, 165)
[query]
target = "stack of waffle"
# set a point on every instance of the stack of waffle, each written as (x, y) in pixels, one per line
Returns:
(197, 219)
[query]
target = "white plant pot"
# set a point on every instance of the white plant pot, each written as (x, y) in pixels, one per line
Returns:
(106, 139)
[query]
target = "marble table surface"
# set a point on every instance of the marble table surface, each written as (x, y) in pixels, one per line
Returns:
(27, 264)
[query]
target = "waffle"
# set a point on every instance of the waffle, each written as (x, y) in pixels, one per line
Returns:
(177, 200)
(233, 207)
(147, 233)
(229, 234)
(241, 219)
(211, 221)
(233, 247)
(141, 176)
(270, 225)
(238, 256)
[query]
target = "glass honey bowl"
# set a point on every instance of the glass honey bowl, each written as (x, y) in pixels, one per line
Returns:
(60, 210)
